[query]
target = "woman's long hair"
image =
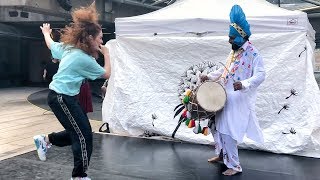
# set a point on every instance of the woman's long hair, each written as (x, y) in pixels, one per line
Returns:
(77, 33)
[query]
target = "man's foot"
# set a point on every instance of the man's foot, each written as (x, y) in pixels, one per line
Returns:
(230, 172)
(215, 159)
(42, 146)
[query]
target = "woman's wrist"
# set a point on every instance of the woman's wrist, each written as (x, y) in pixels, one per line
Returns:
(46, 33)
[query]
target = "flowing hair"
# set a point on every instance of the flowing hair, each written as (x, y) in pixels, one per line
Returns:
(84, 25)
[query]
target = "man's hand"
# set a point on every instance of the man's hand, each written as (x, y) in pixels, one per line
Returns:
(203, 78)
(237, 86)
(44, 74)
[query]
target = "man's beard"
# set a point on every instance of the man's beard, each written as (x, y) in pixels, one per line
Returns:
(235, 47)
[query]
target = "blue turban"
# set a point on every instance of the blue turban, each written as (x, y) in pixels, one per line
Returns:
(238, 17)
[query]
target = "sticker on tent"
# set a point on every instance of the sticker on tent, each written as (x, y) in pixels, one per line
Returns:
(292, 21)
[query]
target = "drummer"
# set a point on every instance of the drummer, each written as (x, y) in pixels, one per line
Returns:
(243, 73)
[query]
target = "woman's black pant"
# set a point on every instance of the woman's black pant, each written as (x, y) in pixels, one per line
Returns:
(77, 133)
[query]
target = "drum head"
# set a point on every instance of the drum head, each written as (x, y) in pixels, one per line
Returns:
(211, 96)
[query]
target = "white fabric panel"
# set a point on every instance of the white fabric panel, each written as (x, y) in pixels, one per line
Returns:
(146, 72)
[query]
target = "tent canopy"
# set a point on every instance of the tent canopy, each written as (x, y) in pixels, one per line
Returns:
(148, 70)
(199, 16)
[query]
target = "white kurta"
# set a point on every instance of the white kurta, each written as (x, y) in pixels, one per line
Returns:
(238, 117)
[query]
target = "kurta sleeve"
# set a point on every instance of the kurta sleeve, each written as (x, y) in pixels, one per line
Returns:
(258, 75)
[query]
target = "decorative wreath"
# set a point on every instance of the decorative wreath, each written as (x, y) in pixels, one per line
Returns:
(188, 84)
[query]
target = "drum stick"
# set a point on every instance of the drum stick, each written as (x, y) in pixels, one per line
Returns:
(225, 67)
(227, 70)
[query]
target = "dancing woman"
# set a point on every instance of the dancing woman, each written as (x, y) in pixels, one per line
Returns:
(78, 49)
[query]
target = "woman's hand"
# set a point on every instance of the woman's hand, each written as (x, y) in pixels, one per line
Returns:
(104, 50)
(107, 65)
(46, 31)
(45, 28)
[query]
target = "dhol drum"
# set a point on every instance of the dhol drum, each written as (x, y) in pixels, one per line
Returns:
(207, 99)
(210, 96)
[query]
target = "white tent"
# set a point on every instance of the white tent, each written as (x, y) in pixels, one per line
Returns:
(152, 51)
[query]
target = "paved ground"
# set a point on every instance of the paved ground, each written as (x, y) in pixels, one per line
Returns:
(21, 120)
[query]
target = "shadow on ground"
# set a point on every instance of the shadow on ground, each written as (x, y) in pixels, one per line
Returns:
(40, 99)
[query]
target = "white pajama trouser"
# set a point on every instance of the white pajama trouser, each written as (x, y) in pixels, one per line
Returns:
(229, 149)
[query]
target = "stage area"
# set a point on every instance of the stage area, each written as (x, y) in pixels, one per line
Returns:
(129, 158)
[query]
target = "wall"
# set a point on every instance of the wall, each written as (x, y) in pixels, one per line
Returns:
(315, 22)
(9, 60)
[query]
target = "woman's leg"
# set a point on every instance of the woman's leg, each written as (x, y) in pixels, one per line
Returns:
(60, 139)
(70, 114)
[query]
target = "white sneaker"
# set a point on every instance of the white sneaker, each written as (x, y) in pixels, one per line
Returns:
(42, 146)
(80, 178)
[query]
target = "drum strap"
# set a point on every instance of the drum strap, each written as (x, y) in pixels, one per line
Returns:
(231, 58)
